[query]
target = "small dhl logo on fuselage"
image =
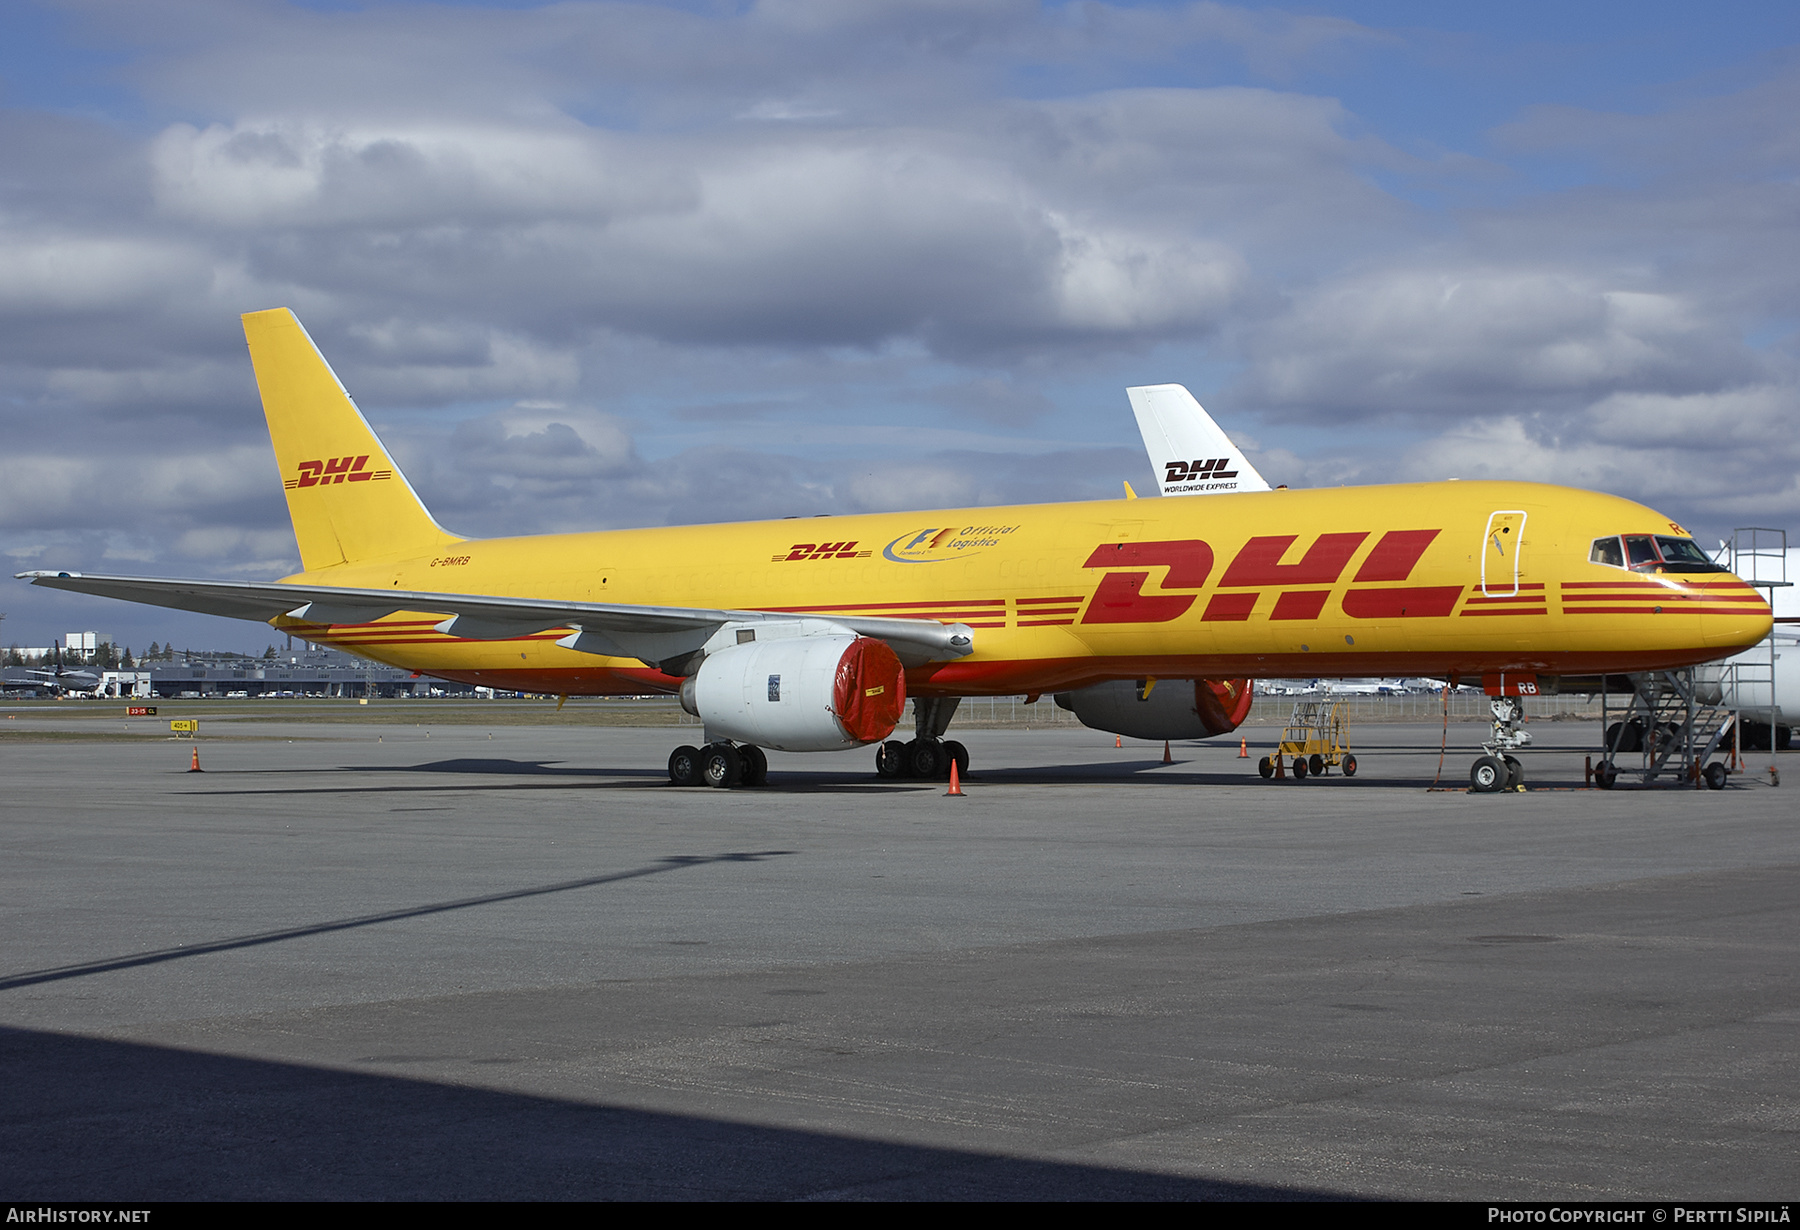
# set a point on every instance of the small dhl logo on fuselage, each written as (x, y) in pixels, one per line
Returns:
(821, 550)
(336, 470)
(1119, 598)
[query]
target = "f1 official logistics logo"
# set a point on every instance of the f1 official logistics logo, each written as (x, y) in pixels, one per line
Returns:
(335, 470)
(1207, 475)
(935, 545)
(1301, 586)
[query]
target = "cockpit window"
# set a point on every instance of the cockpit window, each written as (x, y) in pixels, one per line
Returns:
(1685, 555)
(1641, 550)
(1651, 553)
(1680, 551)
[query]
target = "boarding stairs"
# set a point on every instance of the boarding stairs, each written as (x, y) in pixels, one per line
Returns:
(1677, 721)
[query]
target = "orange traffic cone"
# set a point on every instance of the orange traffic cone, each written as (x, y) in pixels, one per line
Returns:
(1118, 741)
(195, 768)
(956, 790)
(1243, 748)
(1167, 759)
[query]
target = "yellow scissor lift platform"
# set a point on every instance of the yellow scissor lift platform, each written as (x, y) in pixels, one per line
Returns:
(1315, 739)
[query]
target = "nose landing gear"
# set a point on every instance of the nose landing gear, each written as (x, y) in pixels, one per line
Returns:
(1500, 770)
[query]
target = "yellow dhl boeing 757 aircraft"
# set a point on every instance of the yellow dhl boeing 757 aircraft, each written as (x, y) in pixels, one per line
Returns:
(809, 635)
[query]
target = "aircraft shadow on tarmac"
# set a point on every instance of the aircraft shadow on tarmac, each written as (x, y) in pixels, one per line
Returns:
(105, 1120)
(674, 862)
(555, 775)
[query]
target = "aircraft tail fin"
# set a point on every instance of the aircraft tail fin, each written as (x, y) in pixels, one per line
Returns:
(1190, 454)
(346, 497)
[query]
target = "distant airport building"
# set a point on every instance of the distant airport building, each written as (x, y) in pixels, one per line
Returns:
(77, 645)
(309, 672)
(314, 672)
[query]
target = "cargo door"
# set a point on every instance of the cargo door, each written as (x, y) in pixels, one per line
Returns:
(1501, 561)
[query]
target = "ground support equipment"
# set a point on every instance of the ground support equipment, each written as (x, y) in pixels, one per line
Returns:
(1674, 724)
(1315, 739)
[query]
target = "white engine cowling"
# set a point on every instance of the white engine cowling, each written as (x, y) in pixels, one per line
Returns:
(812, 692)
(1175, 708)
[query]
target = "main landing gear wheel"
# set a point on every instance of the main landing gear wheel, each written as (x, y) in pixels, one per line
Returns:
(721, 766)
(959, 755)
(1515, 772)
(1266, 767)
(684, 766)
(1488, 775)
(1349, 766)
(890, 759)
(926, 758)
(1714, 774)
(756, 765)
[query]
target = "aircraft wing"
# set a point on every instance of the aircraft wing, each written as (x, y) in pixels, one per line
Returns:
(1188, 451)
(652, 634)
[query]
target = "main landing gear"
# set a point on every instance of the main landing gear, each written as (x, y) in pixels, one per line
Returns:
(928, 755)
(723, 764)
(924, 758)
(1500, 770)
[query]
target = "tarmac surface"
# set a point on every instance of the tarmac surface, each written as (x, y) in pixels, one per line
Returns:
(467, 964)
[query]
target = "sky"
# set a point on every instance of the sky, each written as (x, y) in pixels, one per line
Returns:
(598, 265)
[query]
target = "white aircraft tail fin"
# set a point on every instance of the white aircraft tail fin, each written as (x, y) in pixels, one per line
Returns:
(1190, 454)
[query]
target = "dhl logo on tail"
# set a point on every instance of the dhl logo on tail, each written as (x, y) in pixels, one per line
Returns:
(335, 470)
(1194, 471)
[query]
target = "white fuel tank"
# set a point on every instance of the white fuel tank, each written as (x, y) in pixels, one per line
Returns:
(1745, 687)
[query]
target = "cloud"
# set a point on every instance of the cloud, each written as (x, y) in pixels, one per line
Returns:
(48, 490)
(286, 173)
(1447, 342)
(663, 66)
(1732, 453)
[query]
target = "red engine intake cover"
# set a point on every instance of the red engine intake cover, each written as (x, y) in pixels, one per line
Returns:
(870, 692)
(1223, 704)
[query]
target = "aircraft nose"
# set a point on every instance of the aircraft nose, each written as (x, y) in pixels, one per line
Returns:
(1735, 620)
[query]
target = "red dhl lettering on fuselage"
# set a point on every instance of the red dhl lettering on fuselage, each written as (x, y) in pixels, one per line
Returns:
(329, 470)
(821, 550)
(1303, 585)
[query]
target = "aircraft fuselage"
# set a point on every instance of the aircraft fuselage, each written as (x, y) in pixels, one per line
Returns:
(1441, 579)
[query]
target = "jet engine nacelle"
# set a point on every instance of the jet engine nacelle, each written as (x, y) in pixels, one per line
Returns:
(1175, 708)
(797, 688)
